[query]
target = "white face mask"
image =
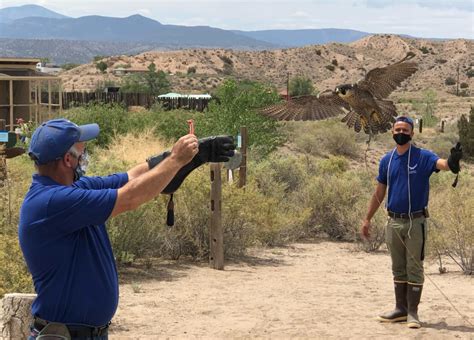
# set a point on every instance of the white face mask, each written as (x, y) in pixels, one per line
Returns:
(82, 163)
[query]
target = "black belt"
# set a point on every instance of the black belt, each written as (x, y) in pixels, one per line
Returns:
(405, 216)
(76, 331)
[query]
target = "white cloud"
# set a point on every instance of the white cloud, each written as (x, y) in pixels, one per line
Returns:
(426, 18)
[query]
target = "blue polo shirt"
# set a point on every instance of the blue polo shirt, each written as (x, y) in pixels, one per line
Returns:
(66, 247)
(422, 165)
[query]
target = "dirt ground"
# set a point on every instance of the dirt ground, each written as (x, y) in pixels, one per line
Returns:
(321, 290)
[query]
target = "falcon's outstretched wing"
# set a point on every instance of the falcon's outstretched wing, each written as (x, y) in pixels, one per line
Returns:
(382, 81)
(327, 104)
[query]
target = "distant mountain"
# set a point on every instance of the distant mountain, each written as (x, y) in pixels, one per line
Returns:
(296, 38)
(135, 28)
(71, 51)
(13, 13)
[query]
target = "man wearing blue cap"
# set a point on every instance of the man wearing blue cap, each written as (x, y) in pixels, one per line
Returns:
(62, 223)
(405, 172)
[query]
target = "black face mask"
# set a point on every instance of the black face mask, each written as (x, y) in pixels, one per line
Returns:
(401, 138)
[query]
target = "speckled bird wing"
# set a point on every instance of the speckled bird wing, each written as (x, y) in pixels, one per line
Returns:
(383, 81)
(326, 105)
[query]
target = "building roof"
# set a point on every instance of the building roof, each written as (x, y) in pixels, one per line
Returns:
(18, 61)
(178, 95)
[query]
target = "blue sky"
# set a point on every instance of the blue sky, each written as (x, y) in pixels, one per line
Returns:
(423, 18)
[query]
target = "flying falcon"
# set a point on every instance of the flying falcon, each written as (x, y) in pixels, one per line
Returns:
(363, 103)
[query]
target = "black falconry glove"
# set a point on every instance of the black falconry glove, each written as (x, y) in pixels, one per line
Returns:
(211, 149)
(454, 158)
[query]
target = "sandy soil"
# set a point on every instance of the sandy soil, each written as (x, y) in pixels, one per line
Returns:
(313, 290)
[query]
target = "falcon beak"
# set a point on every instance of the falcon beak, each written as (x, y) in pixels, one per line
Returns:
(337, 90)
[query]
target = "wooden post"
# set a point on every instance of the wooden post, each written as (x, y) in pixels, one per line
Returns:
(60, 94)
(216, 235)
(16, 316)
(11, 105)
(29, 100)
(421, 125)
(442, 125)
(243, 164)
(49, 99)
(38, 105)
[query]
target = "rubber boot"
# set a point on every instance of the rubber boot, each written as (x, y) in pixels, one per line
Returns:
(400, 311)
(413, 299)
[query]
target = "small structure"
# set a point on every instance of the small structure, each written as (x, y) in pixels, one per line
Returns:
(21, 92)
(121, 71)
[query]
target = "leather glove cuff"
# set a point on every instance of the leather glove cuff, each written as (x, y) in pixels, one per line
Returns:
(454, 165)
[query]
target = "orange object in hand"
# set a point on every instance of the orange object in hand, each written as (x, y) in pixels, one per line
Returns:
(191, 126)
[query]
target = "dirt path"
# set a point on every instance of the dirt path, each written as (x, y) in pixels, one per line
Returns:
(318, 290)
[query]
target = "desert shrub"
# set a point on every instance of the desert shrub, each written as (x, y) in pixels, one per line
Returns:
(323, 137)
(191, 70)
(318, 52)
(466, 134)
(330, 67)
(464, 85)
(226, 60)
(334, 62)
(333, 165)
(452, 218)
(14, 275)
(153, 81)
(443, 144)
(424, 50)
(69, 66)
(101, 66)
(110, 117)
(470, 73)
(300, 86)
(441, 61)
(336, 204)
(450, 81)
(280, 174)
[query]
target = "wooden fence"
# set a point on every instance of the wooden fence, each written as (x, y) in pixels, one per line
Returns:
(72, 99)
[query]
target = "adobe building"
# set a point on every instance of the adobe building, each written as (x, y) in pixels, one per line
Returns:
(26, 93)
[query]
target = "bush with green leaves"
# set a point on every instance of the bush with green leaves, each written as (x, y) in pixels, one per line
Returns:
(321, 138)
(153, 81)
(301, 86)
(115, 119)
(450, 81)
(452, 218)
(466, 134)
(101, 66)
(236, 105)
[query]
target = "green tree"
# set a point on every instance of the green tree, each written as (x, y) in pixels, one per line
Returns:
(101, 66)
(153, 82)
(44, 61)
(69, 66)
(466, 134)
(300, 86)
(235, 106)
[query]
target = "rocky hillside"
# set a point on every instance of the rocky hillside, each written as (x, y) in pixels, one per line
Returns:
(327, 65)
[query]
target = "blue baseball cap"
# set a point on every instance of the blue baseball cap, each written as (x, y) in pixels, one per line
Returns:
(52, 139)
(406, 120)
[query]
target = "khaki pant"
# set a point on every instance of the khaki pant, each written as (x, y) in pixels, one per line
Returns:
(407, 248)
